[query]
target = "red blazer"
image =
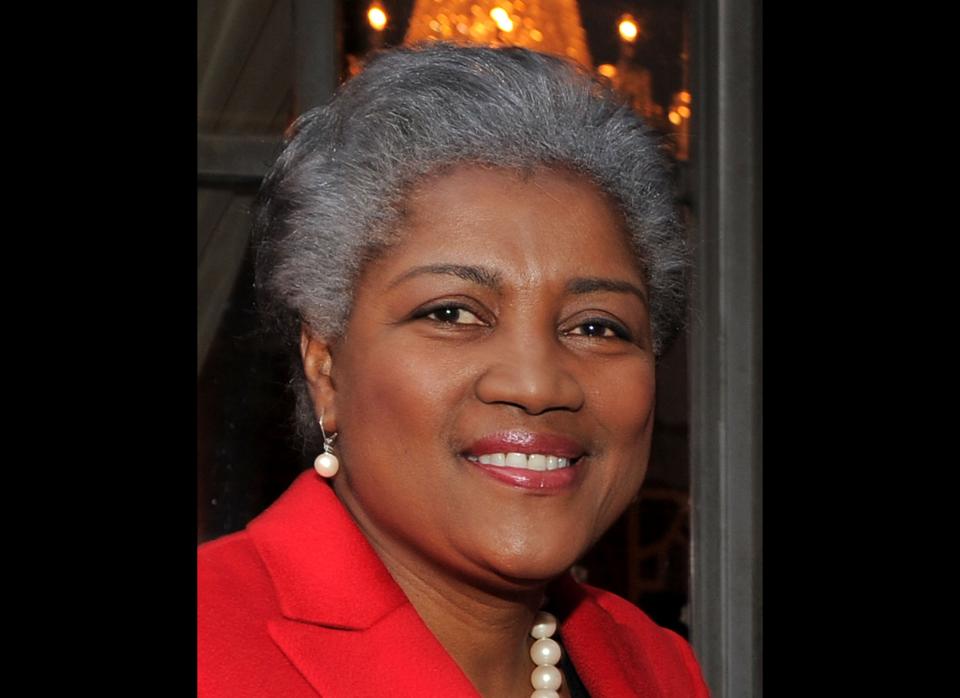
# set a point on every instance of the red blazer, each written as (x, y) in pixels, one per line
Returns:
(299, 605)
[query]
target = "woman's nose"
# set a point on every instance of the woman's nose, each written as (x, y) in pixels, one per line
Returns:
(530, 373)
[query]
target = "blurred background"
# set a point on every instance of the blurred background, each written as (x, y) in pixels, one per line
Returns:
(688, 551)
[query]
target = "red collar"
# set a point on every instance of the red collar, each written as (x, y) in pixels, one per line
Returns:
(320, 561)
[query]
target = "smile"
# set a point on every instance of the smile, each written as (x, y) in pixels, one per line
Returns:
(542, 462)
(525, 461)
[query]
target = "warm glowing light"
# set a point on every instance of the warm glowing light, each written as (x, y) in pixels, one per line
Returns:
(553, 26)
(674, 118)
(478, 31)
(500, 16)
(685, 97)
(377, 17)
(607, 70)
(684, 111)
(628, 29)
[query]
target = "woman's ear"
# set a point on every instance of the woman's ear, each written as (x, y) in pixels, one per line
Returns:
(315, 352)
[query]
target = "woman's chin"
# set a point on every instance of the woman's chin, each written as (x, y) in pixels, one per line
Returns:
(525, 568)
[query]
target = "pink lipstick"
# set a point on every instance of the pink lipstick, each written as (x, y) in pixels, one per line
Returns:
(528, 460)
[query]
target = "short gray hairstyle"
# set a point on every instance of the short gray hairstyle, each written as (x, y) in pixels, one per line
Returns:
(333, 199)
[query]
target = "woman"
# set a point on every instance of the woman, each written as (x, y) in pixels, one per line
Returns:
(474, 254)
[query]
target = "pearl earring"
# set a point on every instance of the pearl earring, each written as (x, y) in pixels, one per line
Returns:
(326, 464)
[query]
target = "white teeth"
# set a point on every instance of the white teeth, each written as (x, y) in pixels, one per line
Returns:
(533, 461)
(516, 460)
(536, 462)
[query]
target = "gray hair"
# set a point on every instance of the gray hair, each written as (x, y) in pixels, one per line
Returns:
(332, 200)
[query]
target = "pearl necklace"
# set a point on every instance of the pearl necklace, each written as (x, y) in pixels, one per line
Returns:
(545, 653)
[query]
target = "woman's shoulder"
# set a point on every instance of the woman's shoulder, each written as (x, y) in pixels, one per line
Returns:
(668, 655)
(624, 612)
(238, 562)
(228, 558)
(231, 575)
(235, 600)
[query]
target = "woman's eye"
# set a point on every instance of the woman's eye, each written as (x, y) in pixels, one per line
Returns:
(453, 315)
(602, 329)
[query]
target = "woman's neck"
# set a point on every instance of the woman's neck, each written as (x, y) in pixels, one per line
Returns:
(486, 632)
(488, 636)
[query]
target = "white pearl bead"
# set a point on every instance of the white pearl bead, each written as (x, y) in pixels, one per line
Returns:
(544, 694)
(327, 464)
(544, 625)
(545, 651)
(546, 677)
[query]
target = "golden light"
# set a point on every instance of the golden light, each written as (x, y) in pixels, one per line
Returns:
(685, 97)
(478, 31)
(628, 28)
(500, 16)
(674, 118)
(607, 70)
(377, 17)
(684, 111)
(553, 26)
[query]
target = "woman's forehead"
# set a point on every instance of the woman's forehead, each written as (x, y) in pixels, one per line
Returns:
(471, 198)
(520, 223)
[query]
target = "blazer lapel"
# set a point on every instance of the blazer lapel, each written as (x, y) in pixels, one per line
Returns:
(344, 623)
(323, 569)
(398, 656)
(606, 664)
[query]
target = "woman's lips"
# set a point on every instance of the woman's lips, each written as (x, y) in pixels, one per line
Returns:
(519, 441)
(529, 460)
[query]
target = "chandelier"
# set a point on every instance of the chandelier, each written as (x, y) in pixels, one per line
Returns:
(552, 26)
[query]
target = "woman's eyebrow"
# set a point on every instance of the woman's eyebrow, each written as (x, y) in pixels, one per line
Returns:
(491, 278)
(592, 284)
(484, 276)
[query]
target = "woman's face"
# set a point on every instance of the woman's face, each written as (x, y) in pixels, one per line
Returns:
(511, 318)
